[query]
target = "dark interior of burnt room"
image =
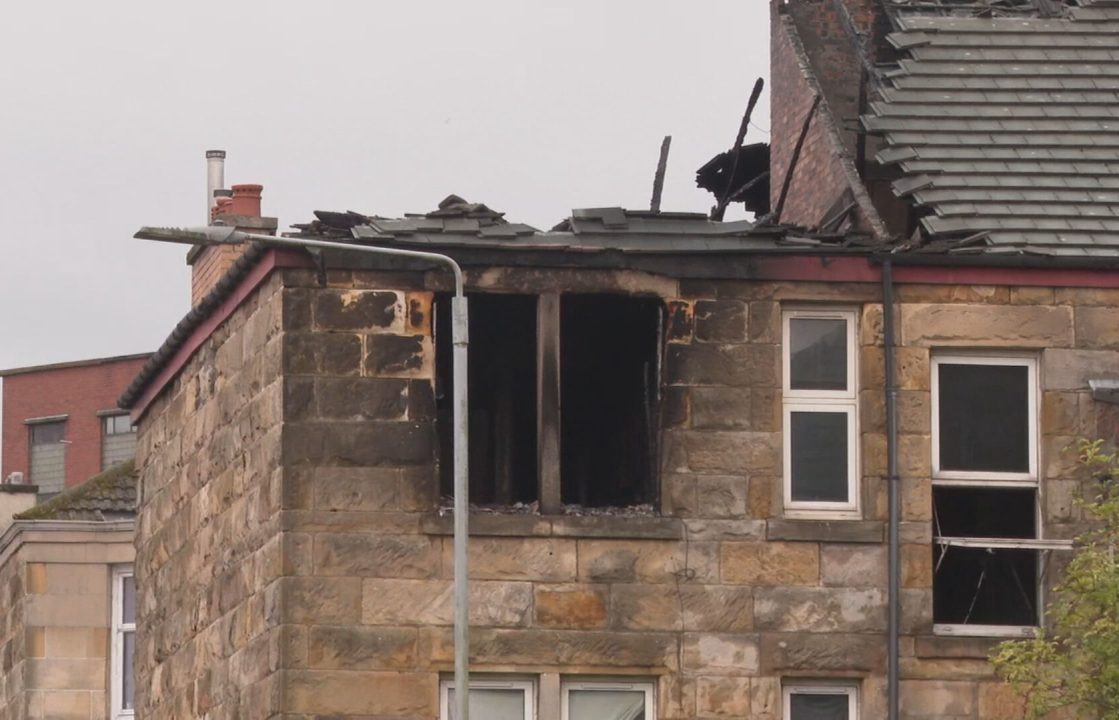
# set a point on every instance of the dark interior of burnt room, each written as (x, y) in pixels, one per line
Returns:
(610, 391)
(982, 585)
(502, 387)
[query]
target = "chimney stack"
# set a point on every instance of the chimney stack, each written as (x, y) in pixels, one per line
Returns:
(215, 179)
(238, 207)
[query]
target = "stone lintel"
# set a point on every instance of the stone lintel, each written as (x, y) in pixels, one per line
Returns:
(831, 531)
(592, 526)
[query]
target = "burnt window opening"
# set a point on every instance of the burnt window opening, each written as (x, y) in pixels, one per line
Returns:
(502, 385)
(985, 573)
(609, 399)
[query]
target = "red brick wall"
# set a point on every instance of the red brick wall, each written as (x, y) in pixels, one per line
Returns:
(210, 266)
(820, 177)
(79, 392)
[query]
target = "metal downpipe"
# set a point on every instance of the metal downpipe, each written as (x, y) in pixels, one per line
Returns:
(893, 482)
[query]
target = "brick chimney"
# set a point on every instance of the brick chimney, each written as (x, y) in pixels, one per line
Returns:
(823, 46)
(239, 207)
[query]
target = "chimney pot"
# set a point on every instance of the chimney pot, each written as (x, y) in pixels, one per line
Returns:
(246, 200)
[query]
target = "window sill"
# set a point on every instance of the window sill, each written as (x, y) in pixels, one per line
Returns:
(632, 527)
(832, 531)
(985, 631)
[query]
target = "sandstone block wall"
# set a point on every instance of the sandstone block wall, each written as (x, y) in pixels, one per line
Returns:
(55, 657)
(332, 597)
(208, 538)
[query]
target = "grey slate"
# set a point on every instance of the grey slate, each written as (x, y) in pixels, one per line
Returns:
(1007, 125)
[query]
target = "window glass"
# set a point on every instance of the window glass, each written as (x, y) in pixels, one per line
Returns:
(47, 433)
(817, 353)
(492, 704)
(984, 417)
(118, 425)
(128, 600)
(128, 684)
(819, 456)
(606, 705)
(819, 706)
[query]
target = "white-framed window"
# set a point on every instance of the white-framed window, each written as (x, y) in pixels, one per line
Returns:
(820, 701)
(613, 699)
(821, 412)
(123, 643)
(988, 554)
(984, 418)
(492, 698)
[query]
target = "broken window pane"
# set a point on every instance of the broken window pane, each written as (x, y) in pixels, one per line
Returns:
(817, 354)
(818, 455)
(609, 395)
(984, 417)
(985, 585)
(502, 387)
(819, 706)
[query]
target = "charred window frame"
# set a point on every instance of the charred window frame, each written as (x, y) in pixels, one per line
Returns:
(988, 549)
(820, 409)
(565, 399)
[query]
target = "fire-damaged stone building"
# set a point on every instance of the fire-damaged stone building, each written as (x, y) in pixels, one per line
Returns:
(683, 432)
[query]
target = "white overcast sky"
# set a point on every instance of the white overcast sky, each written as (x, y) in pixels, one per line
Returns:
(382, 107)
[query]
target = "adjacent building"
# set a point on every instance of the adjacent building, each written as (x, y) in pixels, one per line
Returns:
(61, 424)
(684, 432)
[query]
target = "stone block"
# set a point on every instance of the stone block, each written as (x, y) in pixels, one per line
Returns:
(743, 529)
(371, 693)
(680, 495)
(65, 673)
(408, 356)
(1061, 415)
(764, 325)
(914, 412)
(722, 320)
(645, 607)
(582, 607)
(360, 443)
(853, 565)
(721, 408)
(307, 353)
(1018, 326)
(681, 321)
(361, 398)
(1032, 296)
(367, 555)
(765, 698)
(829, 531)
(784, 653)
(356, 489)
(916, 566)
(732, 453)
(498, 558)
(723, 696)
(325, 601)
(999, 701)
(913, 368)
(558, 648)
(719, 496)
(67, 705)
(358, 310)
(708, 364)
(762, 496)
(628, 561)
(804, 609)
(431, 602)
(937, 699)
(1063, 369)
(361, 648)
(717, 608)
(770, 563)
(717, 654)
(1097, 327)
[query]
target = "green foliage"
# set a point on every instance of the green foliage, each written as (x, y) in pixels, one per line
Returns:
(1075, 664)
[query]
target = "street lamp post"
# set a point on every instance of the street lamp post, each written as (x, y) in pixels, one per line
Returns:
(224, 235)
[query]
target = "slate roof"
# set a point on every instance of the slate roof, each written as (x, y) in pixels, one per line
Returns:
(108, 496)
(589, 230)
(1006, 129)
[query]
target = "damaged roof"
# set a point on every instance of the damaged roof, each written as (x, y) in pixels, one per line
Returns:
(1006, 129)
(459, 223)
(108, 496)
